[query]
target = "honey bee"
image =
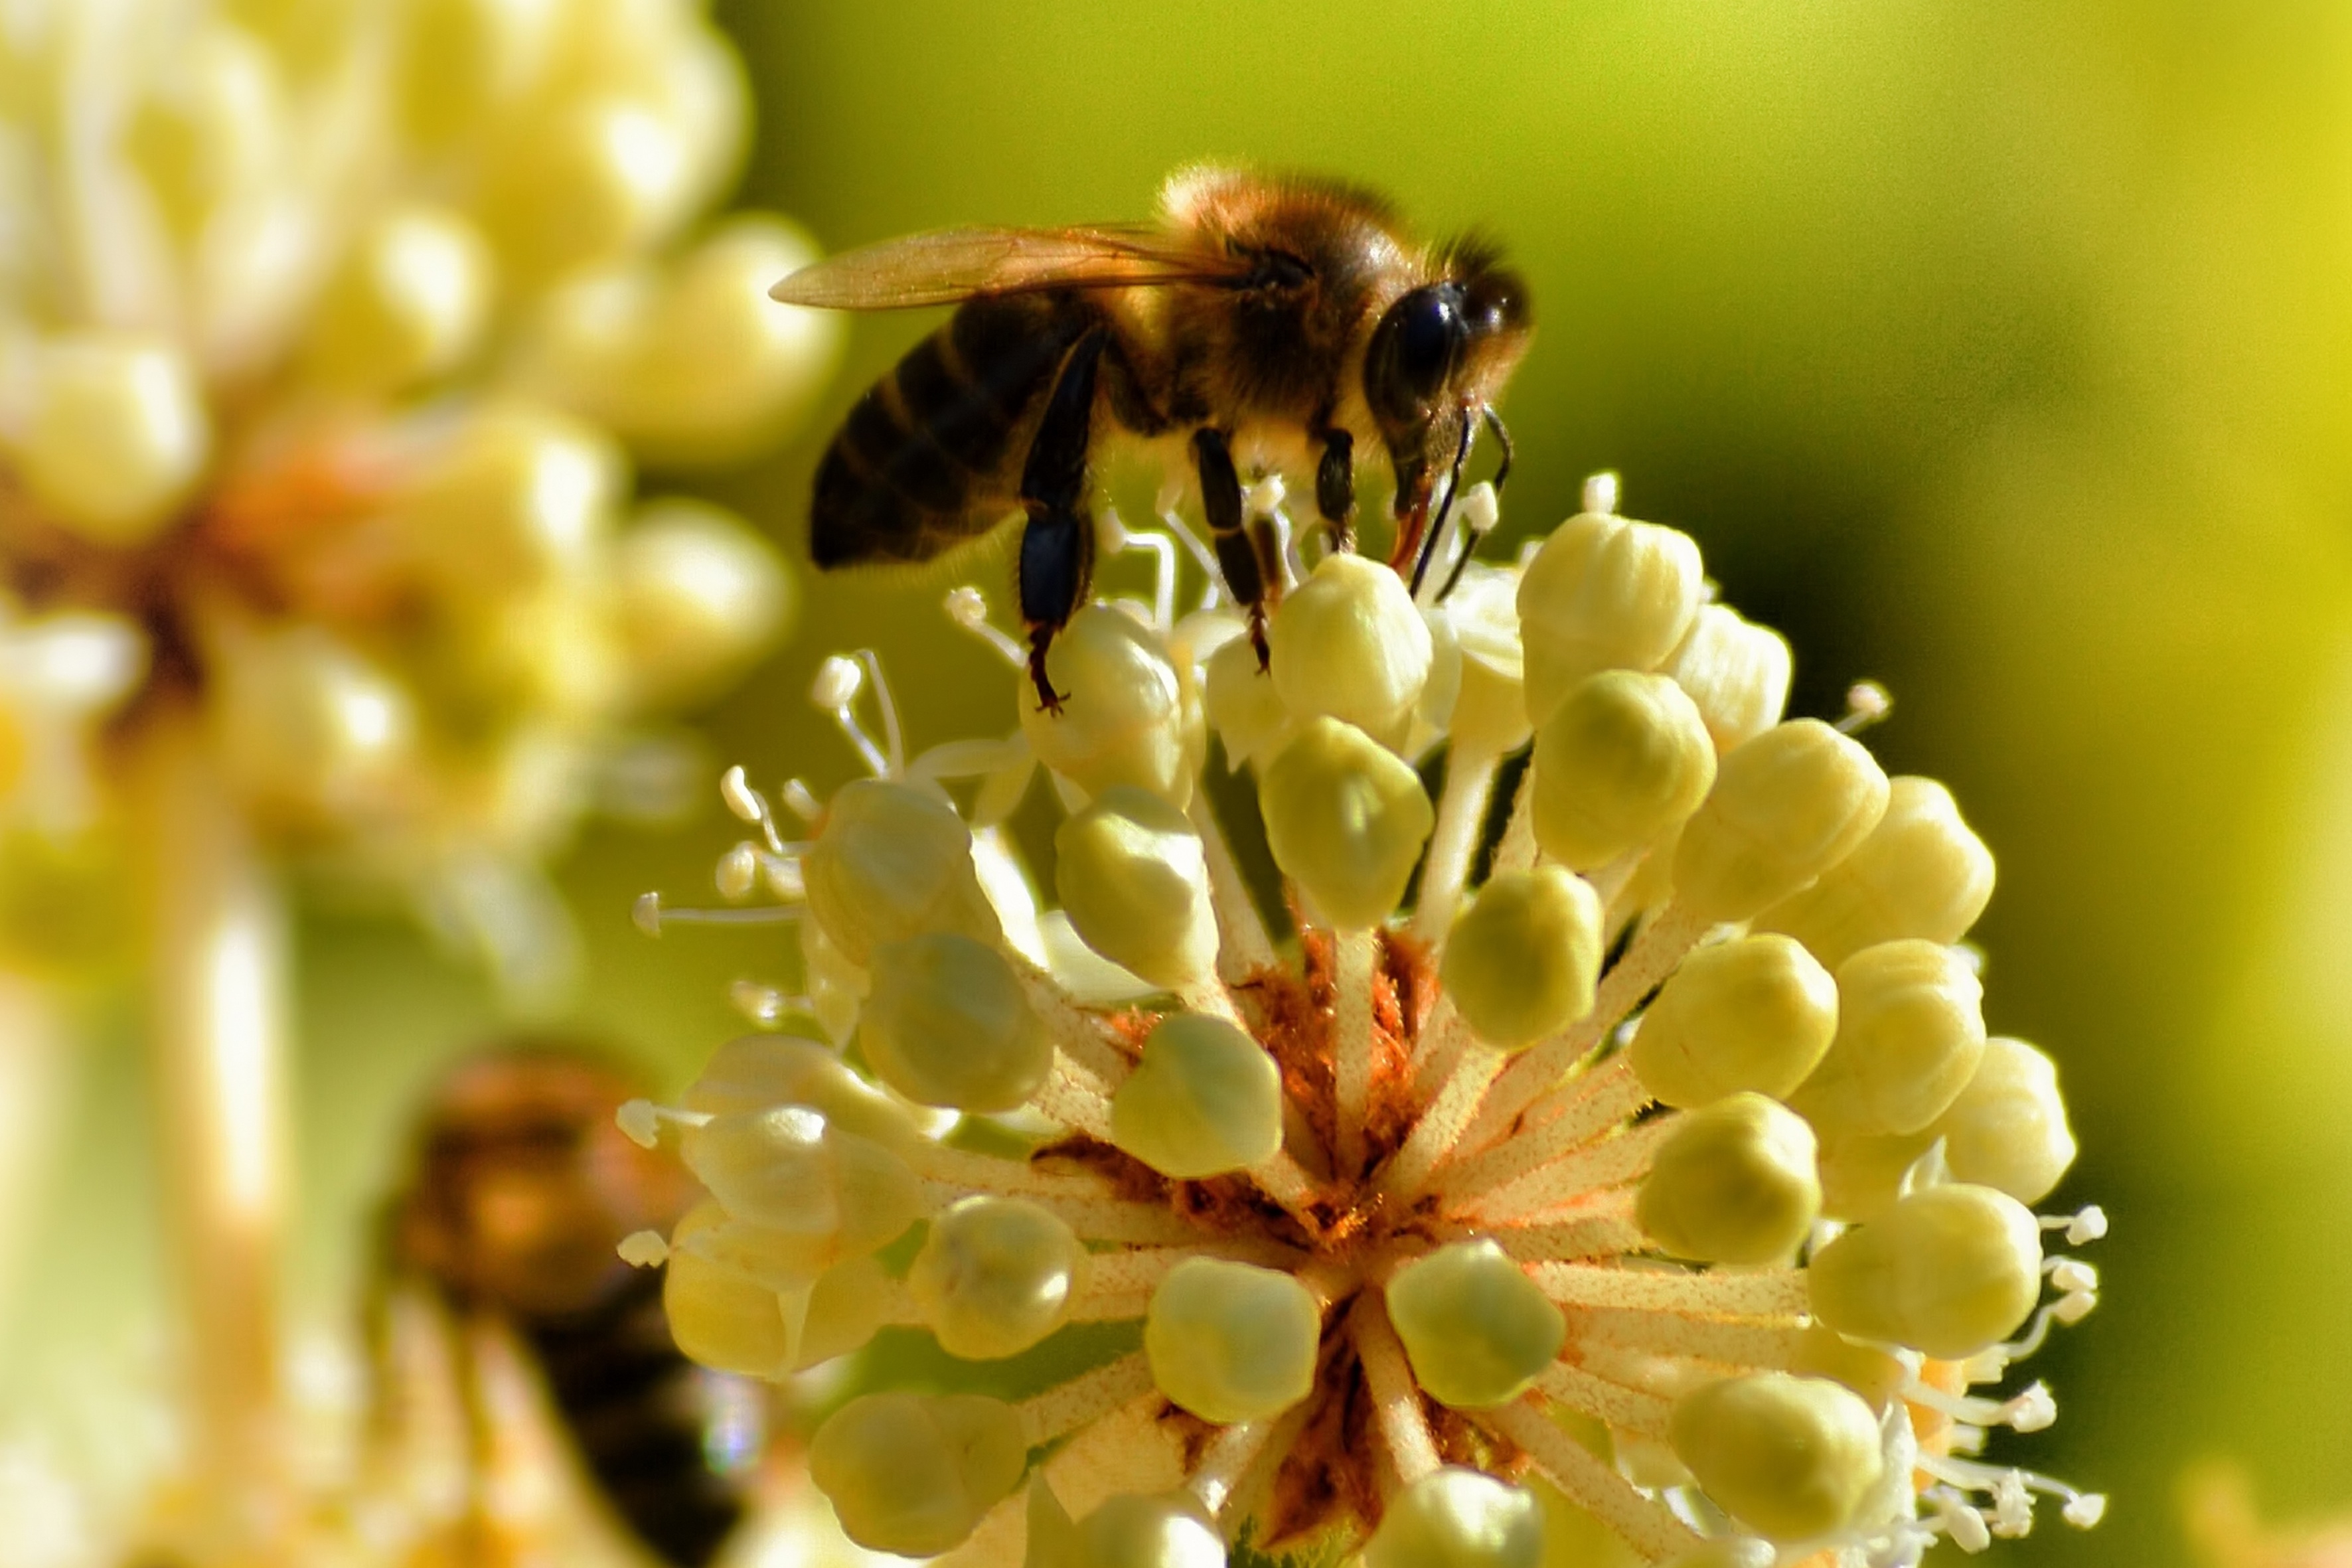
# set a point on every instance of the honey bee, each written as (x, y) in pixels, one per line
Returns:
(522, 1188)
(1291, 321)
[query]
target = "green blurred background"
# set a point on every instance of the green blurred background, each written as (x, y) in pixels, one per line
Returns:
(1999, 350)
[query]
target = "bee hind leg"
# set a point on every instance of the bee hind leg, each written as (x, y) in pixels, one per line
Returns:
(1057, 544)
(1335, 488)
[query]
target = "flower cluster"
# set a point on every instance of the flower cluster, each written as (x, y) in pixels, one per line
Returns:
(1653, 1160)
(328, 336)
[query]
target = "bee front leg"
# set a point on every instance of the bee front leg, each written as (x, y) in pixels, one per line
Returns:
(1237, 558)
(1335, 487)
(1057, 544)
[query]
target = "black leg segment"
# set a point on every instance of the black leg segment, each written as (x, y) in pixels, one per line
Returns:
(1335, 488)
(1057, 546)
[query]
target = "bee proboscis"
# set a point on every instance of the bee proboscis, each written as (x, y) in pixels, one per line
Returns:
(1289, 321)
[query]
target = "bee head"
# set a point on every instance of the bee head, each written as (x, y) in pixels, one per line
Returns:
(1441, 354)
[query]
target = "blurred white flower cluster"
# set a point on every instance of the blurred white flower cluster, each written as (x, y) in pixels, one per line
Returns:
(1652, 1167)
(331, 332)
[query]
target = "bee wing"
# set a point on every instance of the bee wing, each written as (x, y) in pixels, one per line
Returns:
(955, 264)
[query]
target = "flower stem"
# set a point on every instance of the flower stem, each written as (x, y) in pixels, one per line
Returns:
(1351, 1029)
(1454, 843)
(216, 958)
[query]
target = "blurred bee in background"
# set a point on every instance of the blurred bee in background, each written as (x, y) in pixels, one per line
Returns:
(522, 1188)
(1272, 323)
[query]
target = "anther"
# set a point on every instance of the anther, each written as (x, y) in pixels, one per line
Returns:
(801, 802)
(969, 610)
(1866, 703)
(741, 797)
(1601, 493)
(644, 1250)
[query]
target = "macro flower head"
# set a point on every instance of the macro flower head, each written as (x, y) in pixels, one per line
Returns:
(329, 336)
(1613, 1138)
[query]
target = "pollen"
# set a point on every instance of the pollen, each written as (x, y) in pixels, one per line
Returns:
(1646, 1157)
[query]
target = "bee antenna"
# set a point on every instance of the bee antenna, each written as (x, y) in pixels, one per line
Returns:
(1445, 508)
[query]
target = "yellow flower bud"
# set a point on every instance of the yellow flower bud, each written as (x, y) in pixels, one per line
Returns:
(409, 302)
(1349, 644)
(1921, 873)
(1345, 820)
(1733, 1182)
(1165, 1531)
(2008, 1129)
(1126, 719)
(846, 1308)
(995, 1275)
(1134, 882)
(1243, 704)
(1755, 1013)
(1205, 1099)
(1786, 807)
(218, 130)
(722, 1316)
(1949, 1270)
(699, 595)
(1520, 963)
(1736, 671)
(309, 729)
(1477, 1331)
(1458, 1518)
(1872, 1373)
(1622, 760)
(691, 363)
(113, 435)
(892, 861)
(1230, 1342)
(582, 182)
(463, 59)
(760, 1072)
(1791, 1458)
(791, 1170)
(1862, 1173)
(519, 498)
(949, 1025)
(1490, 714)
(1604, 594)
(913, 1475)
(1910, 1032)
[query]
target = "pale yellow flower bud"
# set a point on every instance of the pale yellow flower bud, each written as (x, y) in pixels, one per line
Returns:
(1345, 820)
(1756, 1013)
(1206, 1098)
(1622, 760)
(1477, 1331)
(846, 1307)
(1134, 882)
(1876, 1375)
(408, 303)
(1733, 1182)
(518, 498)
(1786, 807)
(462, 59)
(721, 1315)
(1458, 1518)
(699, 594)
(1921, 873)
(995, 1275)
(760, 1072)
(217, 132)
(691, 363)
(1166, 1531)
(1520, 963)
(1490, 712)
(1736, 671)
(2008, 1129)
(1230, 1342)
(948, 1025)
(1862, 1173)
(1243, 704)
(309, 728)
(1349, 644)
(112, 434)
(1791, 1458)
(585, 181)
(912, 1474)
(1126, 719)
(791, 1170)
(1949, 1270)
(1604, 594)
(1910, 1032)
(892, 861)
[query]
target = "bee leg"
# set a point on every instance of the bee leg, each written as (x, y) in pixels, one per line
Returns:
(1057, 545)
(1237, 558)
(1335, 488)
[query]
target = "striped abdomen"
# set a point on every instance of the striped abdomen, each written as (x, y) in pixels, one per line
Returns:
(644, 1418)
(932, 454)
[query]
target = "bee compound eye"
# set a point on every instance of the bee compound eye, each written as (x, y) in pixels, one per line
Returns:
(1414, 350)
